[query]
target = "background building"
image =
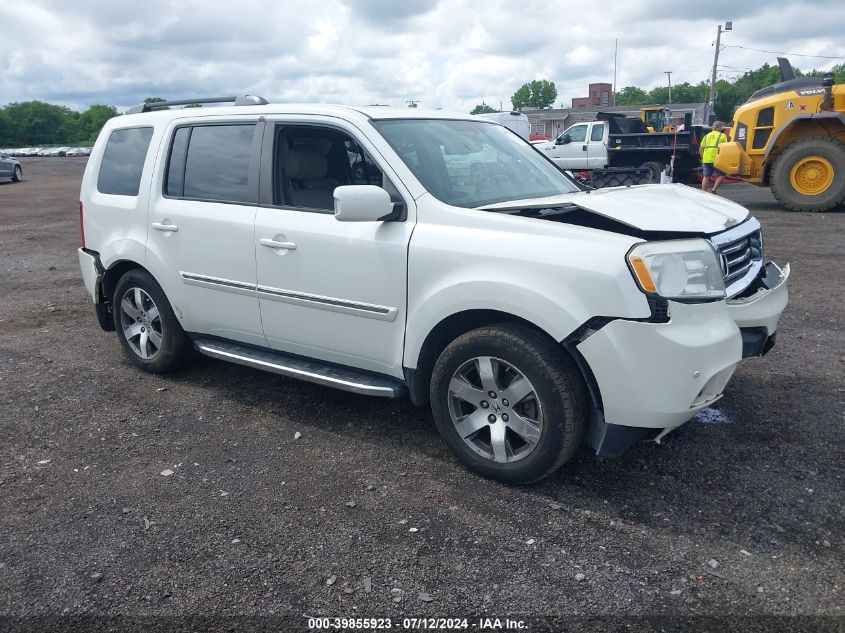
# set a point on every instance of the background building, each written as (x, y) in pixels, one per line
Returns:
(600, 95)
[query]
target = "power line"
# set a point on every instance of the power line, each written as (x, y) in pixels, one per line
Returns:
(759, 50)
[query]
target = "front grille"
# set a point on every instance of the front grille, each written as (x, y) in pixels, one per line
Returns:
(739, 256)
(740, 252)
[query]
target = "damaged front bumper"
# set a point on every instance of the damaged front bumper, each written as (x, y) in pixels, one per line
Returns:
(757, 311)
(653, 377)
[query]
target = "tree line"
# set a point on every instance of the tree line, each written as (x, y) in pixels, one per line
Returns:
(729, 92)
(34, 123)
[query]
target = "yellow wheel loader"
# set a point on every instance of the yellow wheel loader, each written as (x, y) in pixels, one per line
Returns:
(657, 119)
(791, 137)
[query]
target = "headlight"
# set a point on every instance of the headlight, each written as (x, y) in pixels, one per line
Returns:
(678, 269)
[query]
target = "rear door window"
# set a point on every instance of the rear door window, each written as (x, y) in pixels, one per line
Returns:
(597, 133)
(212, 162)
(123, 161)
(175, 183)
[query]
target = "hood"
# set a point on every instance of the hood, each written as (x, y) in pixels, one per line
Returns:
(662, 208)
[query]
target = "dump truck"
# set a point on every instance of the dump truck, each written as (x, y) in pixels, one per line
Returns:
(791, 137)
(616, 141)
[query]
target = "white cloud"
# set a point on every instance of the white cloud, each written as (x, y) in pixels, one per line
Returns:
(451, 54)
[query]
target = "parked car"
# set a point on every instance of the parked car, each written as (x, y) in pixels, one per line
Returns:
(531, 315)
(10, 168)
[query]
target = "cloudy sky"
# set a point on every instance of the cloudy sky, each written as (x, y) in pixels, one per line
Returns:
(451, 54)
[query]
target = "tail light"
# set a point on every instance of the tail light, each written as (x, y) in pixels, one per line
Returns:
(81, 225)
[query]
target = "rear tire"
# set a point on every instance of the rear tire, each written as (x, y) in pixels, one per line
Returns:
(655, 168)
(17, 176)
(531, 437)
(805, 163)
(146, 326)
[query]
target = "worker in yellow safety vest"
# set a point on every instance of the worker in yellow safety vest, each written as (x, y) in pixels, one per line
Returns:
(708, 150)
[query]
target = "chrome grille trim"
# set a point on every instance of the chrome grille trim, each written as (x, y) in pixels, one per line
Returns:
(740, 251)
(739, 258)
(738, 272)
(733, 248)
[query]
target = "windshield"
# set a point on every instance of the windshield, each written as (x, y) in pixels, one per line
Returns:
(473, 163)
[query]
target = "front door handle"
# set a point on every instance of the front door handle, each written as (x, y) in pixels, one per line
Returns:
(584, 147)
(288, 246)
(158, 226)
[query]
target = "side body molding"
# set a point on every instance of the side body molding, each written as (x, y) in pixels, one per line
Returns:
(333, 304)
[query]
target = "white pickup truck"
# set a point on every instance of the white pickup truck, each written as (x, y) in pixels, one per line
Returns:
(428, 254)
(600, 144)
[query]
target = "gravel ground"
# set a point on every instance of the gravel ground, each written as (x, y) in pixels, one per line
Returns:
(739, 514)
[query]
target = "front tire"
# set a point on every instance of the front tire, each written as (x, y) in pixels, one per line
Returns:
(809, 175)
(146, 326)
(509, 402)
(17, 176)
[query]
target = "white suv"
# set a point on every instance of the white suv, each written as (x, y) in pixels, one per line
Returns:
(395, 252)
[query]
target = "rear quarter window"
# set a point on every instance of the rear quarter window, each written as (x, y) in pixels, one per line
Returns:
(123, 161)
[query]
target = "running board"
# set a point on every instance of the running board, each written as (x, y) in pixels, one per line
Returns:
(314, 371)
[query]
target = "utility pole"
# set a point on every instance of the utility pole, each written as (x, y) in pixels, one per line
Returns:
(711, 102)
(668, 73)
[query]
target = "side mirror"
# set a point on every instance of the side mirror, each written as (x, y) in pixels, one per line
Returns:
(563, 140)
(361, 203)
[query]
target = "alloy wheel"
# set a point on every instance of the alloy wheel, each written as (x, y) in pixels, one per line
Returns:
(141, 323)
(495, 409)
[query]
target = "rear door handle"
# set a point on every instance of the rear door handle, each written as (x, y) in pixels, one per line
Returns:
(289, 246)
(158, 226)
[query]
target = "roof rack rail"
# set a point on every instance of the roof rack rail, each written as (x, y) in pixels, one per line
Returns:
(240, 100)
